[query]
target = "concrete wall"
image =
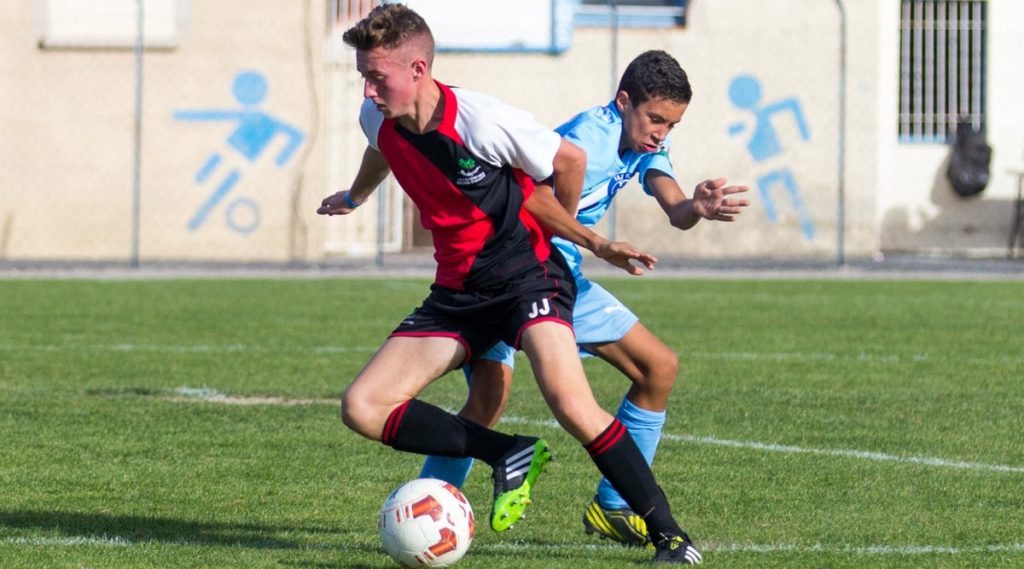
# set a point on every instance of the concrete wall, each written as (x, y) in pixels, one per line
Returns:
(68, 118)
(66, 188)
(917, 208)
(787, 48)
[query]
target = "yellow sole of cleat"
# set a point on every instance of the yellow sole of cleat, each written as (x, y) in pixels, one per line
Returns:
(596, 522)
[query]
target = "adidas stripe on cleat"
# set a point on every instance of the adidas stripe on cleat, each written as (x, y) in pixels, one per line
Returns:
(623, 526)
(515, 475)
(676, 549)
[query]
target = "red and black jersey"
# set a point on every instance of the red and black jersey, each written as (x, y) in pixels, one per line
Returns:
(469, 178)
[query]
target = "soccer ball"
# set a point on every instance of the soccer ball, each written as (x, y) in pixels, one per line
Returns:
(426, 523)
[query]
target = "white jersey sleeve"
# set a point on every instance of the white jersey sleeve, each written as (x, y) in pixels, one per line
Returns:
(501, 134)
(370, 120)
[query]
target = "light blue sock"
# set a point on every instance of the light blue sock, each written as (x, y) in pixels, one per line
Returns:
(645, 428)
(452, 470)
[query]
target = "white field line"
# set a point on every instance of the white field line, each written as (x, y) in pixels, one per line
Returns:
(582, 548)
(773, 548)
(213, 396)
(790, 449)
(847, 453)
(190, 349)
(733, 356)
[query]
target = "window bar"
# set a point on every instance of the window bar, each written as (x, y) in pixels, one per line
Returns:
(965, 68)
(942, 114)
(917, 105)
(978, 24)
(928, 27)
(905, 71)
(954, 46)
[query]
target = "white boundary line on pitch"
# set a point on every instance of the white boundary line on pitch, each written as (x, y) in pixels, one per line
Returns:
(773, 548)
(214, 396)
(193, 349)
(790, 449)
(898, 550)
(734, 356)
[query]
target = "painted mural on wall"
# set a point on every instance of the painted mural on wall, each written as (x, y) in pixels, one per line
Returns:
(766, 149)
(252, 131)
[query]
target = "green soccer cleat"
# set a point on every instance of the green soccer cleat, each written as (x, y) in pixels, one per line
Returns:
(515, 475)
(623, 526)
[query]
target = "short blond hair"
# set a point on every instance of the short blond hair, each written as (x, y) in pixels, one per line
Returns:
(391, 26)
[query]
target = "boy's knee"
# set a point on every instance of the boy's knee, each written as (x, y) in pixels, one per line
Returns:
(348, 417)
(357, 414)
(661, 372)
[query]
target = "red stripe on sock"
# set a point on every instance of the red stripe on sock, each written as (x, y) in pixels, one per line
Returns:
(606, 440)
(611, 440)
(391, 425)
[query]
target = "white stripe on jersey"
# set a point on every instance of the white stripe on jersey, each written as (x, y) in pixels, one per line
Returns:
(492, 131)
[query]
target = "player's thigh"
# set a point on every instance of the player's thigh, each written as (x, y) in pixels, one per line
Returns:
(551, 348)
(398, 372)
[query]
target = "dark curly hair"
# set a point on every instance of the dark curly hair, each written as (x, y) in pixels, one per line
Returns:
(655, 74)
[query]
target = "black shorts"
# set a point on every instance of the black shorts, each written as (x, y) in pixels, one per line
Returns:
(480, 318)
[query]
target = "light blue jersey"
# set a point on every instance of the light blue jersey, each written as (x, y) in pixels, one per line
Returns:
(598, 131)
(598, 317)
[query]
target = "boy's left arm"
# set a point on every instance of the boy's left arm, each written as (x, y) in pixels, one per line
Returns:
(710, 200)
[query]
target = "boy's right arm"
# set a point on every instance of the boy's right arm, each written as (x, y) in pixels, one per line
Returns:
(552, 215)
(372, 171)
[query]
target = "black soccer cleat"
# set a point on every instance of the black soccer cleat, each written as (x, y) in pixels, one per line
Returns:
(676, 549)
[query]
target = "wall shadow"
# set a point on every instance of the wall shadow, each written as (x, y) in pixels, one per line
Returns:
(961, 225)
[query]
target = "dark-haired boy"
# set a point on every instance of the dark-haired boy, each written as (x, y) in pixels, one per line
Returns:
(628, 137)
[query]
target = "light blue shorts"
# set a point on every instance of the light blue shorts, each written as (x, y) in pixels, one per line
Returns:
(597, 318)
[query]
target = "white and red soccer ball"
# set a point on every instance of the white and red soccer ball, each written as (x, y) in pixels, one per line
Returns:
(426, 523)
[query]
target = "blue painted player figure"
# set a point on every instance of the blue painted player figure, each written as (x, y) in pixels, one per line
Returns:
(627, 138)
(469, 162)
(254, 132)
(745, 93)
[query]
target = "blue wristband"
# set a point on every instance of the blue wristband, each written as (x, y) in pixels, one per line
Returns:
(349, 203)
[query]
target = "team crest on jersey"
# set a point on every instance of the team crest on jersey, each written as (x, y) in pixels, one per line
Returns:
(469, 172)
(618, 182)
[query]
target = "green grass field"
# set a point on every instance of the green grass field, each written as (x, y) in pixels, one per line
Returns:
(194, 423)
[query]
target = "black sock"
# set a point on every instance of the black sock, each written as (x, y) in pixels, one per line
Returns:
(619, 459)
(422, 428)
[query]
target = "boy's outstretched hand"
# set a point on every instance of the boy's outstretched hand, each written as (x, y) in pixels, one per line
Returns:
(620, 254)
(711, 200)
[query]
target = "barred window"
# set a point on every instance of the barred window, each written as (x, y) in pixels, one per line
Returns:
(942, 67)
(632, 13)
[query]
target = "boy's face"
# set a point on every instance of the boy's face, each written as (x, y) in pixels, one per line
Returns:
(389, 79)
(646, 126)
